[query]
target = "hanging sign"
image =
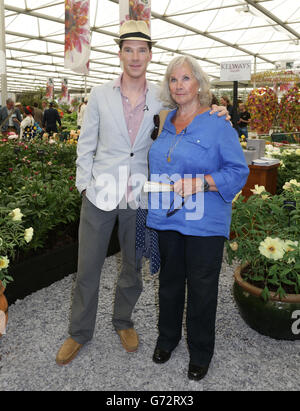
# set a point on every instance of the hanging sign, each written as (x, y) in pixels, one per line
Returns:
(235, 70)
(50, 89)
(135, 10)
(77, 35)
(64, 97)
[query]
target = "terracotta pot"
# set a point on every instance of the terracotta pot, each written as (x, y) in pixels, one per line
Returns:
(276, 318)
(3, 310)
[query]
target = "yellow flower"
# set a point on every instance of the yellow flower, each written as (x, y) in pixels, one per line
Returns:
(264, 196)
(272, 248)
(294, 182)
(286, 186)
(4, 261)
(28, 234)
(258, 189)
(237, 196)
(234, 246)
(298, 151)
(16, 214)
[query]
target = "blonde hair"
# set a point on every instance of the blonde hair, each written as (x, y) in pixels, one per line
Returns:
(205, 96)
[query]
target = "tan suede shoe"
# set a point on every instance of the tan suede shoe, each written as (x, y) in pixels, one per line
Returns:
(129, 339)
(67, 352)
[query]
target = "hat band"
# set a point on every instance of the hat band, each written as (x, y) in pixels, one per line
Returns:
(135, 34)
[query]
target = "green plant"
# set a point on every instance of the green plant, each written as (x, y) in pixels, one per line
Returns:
(265, 233)
(289, 163)
(39, 179)
(13, 235)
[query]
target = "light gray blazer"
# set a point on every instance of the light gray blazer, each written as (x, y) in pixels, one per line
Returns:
(105, 156)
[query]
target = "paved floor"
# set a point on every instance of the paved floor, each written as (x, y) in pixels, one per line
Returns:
(243, 359)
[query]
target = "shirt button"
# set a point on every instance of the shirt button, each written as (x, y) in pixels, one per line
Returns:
(131, 154)
(198, 141)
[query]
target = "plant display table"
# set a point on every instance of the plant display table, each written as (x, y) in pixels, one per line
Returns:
(263, 176)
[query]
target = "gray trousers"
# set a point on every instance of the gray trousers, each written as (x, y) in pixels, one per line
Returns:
(95, 230)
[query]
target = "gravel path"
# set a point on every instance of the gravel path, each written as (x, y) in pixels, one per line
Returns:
(243, 359)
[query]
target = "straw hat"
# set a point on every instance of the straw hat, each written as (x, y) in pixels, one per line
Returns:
(134, 30)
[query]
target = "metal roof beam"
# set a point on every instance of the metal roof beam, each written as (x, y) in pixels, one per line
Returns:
(273, 17)
(97, 30)
(210, 9)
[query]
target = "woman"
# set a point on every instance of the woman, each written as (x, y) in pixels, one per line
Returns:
(201, 154)
(224, 100)
(28, 121)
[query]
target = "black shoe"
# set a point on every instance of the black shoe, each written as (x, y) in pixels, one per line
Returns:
(197, 372)
(161, 356)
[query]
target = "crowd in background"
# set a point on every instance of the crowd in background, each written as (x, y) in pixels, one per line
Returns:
(25, 122)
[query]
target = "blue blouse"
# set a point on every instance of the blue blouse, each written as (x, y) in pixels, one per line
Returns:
(209, 145)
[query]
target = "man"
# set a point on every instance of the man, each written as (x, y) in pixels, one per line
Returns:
(113, 146)
(10, 117)
(244, 120)
(50, 118)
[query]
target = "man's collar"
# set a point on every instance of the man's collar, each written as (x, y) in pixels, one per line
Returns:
(118, 83)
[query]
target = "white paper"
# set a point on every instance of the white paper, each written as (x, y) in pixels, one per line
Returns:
(155, 187)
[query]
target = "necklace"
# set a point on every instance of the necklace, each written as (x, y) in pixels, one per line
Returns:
(175, 141)
(178, 137)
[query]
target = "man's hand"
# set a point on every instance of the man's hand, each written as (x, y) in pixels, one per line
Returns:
(221, 110)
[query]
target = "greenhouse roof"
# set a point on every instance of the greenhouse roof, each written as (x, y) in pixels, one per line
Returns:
(267, 32)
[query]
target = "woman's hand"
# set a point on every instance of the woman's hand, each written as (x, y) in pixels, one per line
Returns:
(188, 186)
(221, 110)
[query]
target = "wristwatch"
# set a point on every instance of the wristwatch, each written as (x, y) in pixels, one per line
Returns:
(205, 185)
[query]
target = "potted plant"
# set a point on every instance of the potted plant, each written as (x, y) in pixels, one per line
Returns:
(265, 234)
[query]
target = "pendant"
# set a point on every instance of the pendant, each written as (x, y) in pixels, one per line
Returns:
(169, 159)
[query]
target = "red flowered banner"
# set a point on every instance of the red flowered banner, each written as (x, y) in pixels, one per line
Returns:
(64, 97)
(77, 35)
(135, 10)
(50, 89)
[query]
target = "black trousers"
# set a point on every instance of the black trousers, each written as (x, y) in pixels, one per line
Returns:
(193, 263)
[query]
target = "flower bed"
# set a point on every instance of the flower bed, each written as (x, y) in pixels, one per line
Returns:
(37, 183)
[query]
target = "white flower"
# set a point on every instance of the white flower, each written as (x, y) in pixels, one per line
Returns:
(16, 214)
(288, 185)
(28, 234)
(290, 245)
(4, 261)
(258, 189)
(272, 248)
(297, 152)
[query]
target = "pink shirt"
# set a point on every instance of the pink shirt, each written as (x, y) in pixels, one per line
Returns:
(133, 115)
